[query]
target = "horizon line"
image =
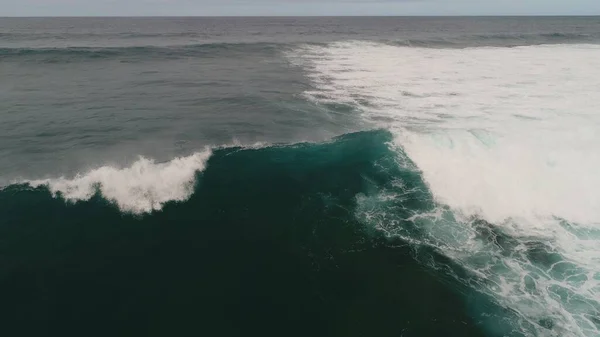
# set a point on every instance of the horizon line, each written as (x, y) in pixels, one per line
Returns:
(303, 16)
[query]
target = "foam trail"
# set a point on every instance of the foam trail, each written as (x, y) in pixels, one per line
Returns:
(510, 136)
(143, 187)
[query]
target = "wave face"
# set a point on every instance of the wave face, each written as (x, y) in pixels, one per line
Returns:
(268, 238)
(508, 142)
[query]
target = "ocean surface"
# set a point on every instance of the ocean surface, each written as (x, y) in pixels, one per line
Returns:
(300, 177)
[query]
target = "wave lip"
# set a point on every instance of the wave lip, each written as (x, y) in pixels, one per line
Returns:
(143, 187)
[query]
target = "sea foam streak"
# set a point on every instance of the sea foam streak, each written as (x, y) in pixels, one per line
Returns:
(508, 135)
(142, 187)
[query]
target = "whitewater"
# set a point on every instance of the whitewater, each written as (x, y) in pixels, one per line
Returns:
(142, 187)
(508, 142)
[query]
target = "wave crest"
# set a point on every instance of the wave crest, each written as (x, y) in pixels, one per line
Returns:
(143, 187)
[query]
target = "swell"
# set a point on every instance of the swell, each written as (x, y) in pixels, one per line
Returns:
(132, 53)
(141, 53)
(84, 35)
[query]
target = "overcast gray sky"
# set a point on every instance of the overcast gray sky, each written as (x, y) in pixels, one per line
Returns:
(296, 7)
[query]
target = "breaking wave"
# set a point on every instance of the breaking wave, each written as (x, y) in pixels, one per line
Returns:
(507, 142)
(143, 187)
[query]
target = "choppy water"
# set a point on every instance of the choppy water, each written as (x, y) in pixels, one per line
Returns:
(300, 176)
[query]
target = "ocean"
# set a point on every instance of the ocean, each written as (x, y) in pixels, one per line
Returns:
(357, 176)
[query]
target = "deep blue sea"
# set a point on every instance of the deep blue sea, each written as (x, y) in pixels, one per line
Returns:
(357, 176)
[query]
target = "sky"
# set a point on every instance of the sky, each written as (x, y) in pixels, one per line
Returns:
(295, 7)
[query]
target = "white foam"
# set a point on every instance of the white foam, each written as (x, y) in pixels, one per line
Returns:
(143, 187)
(512, 132)
(511, 135)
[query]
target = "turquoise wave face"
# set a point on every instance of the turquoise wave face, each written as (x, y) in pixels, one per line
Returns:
(269, 243)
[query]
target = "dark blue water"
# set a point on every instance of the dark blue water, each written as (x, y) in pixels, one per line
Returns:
(241, 217)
